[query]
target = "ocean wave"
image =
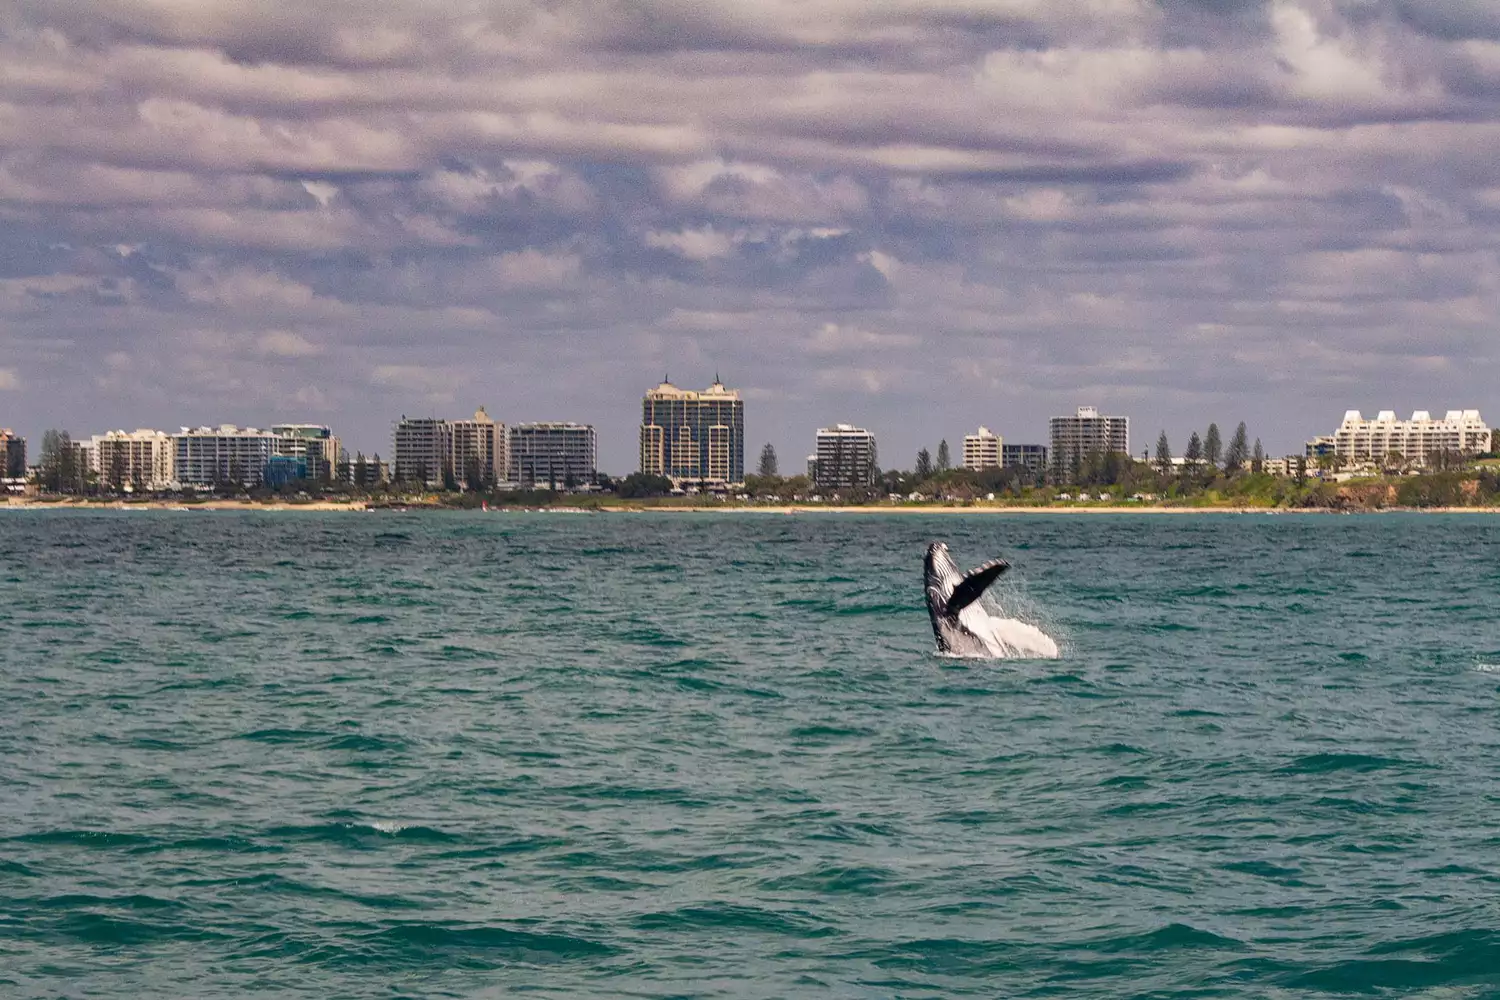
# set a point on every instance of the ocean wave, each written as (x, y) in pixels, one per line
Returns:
(490, 944)
(734, 917)
(360, 834)
(1324, 763)
(1461, 958)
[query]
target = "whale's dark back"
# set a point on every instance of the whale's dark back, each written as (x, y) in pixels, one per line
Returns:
(949, 591)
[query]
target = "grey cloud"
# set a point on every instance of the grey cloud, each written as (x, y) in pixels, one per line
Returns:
(1188, 209)
(1450, 20)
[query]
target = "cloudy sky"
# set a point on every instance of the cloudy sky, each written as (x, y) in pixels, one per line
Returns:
(916, 215)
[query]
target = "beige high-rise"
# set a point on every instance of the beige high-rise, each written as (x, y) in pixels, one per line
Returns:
(135, 460)
(982, 450)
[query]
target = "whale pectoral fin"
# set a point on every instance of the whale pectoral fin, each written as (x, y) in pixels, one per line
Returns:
(974, 584)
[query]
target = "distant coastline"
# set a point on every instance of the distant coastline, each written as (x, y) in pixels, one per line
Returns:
(637, 506)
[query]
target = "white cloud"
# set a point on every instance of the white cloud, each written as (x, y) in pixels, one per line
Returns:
(9, 379)
(701, 244)
(321, 191)
(286, 344)
(533, 268)
(831, 338)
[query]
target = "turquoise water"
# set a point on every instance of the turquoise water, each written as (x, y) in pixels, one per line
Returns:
(375, 755)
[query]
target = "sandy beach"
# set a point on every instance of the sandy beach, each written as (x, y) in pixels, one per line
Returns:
(75, 504)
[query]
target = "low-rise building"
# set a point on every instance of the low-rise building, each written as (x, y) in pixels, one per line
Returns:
(553, 454)
(1320, 447)
(982, 450)
(366, 473)
(1032, 457)
(846, 458)
(1288, 465)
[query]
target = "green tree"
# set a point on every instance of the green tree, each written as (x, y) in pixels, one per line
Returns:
(1213, 448)
(944, 460)
(58, 474)
(768, 465)
(643, 484)
(116, 474)
(924, 465)
(1163, 454)
(1194, 453)
(1238, 450)
(1258, 459)
(473, 474)
(1058, 466)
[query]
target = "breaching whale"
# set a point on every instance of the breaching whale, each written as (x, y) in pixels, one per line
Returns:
(960, 622)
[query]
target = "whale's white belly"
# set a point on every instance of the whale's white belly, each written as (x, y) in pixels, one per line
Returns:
(1007, 637)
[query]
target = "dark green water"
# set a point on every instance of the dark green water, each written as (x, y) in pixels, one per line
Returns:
(668, 756)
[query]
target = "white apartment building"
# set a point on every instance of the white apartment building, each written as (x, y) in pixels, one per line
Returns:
(846, 457)
(135, 460)
(206, 456)
(1087, 432)
(1461, 432)
(982, 449)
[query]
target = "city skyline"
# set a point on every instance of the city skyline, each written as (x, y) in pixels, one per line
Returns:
(932, 216)
(1082, 431)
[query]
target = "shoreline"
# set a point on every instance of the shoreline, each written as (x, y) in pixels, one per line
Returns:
(325, 506)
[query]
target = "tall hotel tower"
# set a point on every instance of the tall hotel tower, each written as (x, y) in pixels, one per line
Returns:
(694, 436)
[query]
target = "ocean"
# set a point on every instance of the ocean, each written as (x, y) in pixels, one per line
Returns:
(714, 755)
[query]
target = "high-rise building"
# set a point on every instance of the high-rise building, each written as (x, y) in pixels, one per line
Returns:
(12, 455)
(478, 449)
(982, 450)
(312, 445)
(431, 451)
(553, 454)
(1418, 440)
(209, 456)
(846, 457)
(422, 448)
(136, 460)
(1024, 456)
(1087, 432)
(693, 436)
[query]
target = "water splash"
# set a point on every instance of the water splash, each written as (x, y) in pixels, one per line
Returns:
(1007, 635)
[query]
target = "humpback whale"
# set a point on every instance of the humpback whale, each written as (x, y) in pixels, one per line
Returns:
(960, 622)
